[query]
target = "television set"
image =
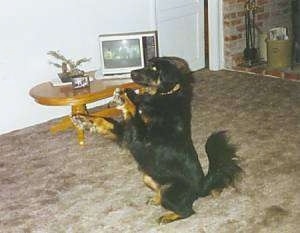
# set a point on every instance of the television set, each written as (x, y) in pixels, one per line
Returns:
(122, 53)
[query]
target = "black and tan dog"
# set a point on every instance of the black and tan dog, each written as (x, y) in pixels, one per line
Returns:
(156, 128)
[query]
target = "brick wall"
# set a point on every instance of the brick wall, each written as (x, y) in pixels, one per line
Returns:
(271, 13)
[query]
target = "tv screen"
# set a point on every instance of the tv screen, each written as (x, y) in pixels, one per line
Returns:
(121, 53)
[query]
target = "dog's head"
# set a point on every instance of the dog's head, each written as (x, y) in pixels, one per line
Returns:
(163, 75)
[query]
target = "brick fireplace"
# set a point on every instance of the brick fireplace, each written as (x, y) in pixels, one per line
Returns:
(270, 14)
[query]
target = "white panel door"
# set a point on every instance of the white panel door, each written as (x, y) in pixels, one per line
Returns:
(180, 26)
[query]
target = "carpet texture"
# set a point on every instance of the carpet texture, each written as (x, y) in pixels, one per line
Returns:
(48, 183)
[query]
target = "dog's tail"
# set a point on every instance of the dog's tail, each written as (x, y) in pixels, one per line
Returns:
(223, 167)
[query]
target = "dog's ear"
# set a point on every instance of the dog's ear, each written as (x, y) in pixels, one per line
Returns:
(168, 75)
(180, 63)
(155, 62)
(171, 72)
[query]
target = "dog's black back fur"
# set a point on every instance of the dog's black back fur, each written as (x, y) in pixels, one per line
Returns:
(162, 145)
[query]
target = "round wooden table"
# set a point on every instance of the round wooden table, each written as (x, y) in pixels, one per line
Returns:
(47, 94)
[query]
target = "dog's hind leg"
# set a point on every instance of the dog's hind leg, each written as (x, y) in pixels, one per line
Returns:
(169, 217)
(216, 192)
(156, 200)
(177, 198)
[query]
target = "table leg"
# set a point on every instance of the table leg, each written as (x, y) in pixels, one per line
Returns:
(107, 112)
(80, 136)
(79, 109)
(64, 124)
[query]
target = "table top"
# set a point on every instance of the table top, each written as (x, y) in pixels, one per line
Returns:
(47, 94)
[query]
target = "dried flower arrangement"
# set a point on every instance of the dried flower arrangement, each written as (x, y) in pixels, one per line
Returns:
(68, 67)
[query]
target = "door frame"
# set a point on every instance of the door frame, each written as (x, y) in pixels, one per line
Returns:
(216, 35)
(199, 62)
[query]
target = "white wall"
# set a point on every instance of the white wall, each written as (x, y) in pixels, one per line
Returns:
(30, 28)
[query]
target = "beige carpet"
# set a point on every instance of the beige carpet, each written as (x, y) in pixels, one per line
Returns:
(48, 183)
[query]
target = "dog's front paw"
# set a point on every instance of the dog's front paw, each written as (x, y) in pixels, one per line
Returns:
(117, 99)
(122, 102)
(130, 93)
(83, 123)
